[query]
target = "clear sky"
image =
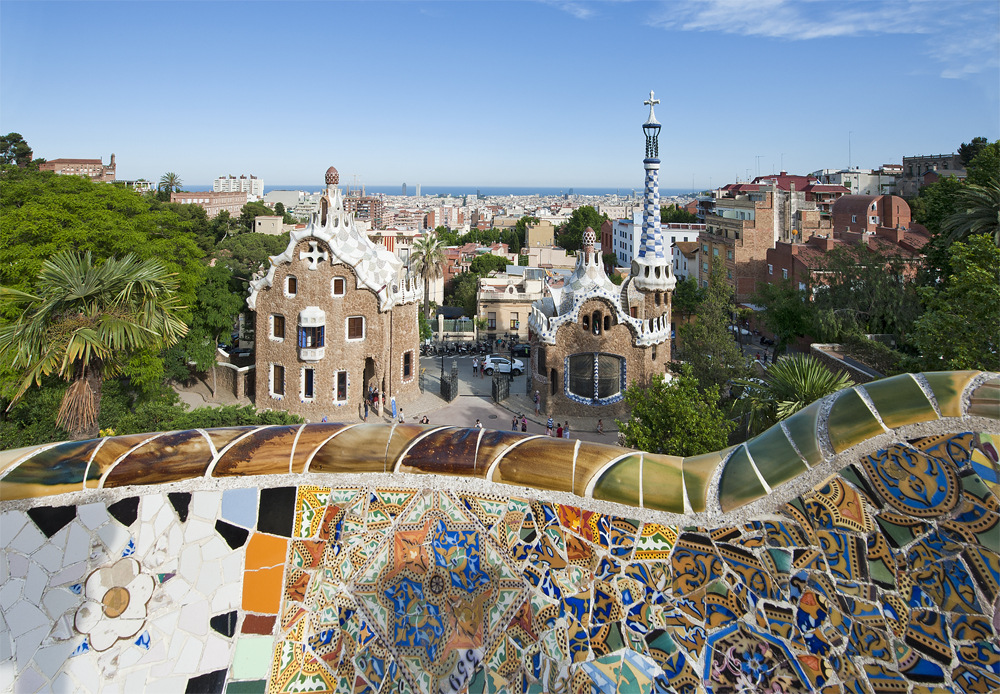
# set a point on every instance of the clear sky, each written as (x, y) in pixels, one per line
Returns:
(497, 93)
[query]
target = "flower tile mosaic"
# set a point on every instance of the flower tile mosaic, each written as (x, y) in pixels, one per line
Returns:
(236, 566)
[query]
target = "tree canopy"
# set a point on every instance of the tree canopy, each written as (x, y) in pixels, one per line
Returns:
(14, 150)
(570, 234)
(675, 417)
(707, 342)
(676, 215)
(786, 312)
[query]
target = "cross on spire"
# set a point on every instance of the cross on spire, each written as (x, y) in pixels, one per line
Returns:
(651, 102)
(313, 255)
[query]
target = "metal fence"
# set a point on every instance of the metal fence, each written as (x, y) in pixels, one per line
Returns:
(501, 386)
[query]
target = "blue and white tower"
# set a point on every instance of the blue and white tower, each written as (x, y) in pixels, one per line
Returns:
(651, 268)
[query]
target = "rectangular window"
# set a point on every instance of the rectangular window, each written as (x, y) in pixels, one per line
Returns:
(277, 379)
(338, 286)
(770, 269)
(514, 322)
(308, 380)
(491, 321)
(312, 338)
(356, 328)
(293, 286)
(407, 364)
(854, 218)
(784, 273)
(729, 254)
(341, 394)
(715, 252)
(278, 328)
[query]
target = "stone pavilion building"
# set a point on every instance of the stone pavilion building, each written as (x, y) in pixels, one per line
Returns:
(335, 315)
(591, 338)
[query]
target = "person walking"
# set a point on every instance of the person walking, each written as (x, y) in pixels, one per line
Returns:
(475, 366)
(600, 426)
(524, 424)
(479, 425)
(559, 431)
(548, 427)
(402, 419)
(366, 410)
(538, 403)
(513, 424)
(566, 430)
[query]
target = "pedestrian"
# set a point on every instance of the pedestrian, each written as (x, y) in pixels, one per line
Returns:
(538, 403)
(600, 426)
(479, 425)
(366, 410)
(513, 424)
(475, 366)
(559, 431)
(524, 424)
(324, 420)
(566, 430)
(424, 420)
(402, 419)
(548, 427)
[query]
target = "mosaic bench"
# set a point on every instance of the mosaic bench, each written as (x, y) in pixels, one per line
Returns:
(854, 547)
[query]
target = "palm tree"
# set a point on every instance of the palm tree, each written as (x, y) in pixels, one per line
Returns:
(787, 386)
(427, 261)
(84, 322)
(979, 212)
(170, 182)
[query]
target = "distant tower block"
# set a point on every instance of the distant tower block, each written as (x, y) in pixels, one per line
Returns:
(651, 264)
(418, 190)
(404, 190)
(332, 177)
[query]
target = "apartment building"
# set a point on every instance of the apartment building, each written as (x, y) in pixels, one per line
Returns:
(213, 202)
(94, 169)
(251, 185)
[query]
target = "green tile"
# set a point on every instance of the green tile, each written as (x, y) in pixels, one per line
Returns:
(252, 658)
(698, 471)
(900, 401)
(948, 387)
(803, 427)
(851, 422)
(986, 400)
(774, 456)
(620, 482)
(739, 484)
(662, 483)
(255, 687)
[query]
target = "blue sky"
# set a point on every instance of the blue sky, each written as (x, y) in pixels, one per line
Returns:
(497, 93)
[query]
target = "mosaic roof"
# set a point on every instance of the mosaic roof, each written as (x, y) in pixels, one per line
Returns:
(376, 268)
(375, 559)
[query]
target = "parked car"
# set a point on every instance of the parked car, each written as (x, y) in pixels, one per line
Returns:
(503, 365)
(521, 350)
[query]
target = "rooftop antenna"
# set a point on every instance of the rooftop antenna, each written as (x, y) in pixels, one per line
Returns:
(849, 133)
(758, 163)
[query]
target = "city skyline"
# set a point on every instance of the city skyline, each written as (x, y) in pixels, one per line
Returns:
(545, 94)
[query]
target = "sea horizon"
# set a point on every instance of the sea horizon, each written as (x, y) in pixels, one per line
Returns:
(487, 191)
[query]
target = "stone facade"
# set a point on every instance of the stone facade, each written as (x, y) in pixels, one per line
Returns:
(335, 315)
(94, 169)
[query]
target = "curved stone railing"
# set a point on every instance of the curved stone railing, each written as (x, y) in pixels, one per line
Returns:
(854, 547)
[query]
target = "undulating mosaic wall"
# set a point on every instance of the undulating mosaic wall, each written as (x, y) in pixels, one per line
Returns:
(854, 548)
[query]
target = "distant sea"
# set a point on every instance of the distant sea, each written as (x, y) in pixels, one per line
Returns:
(459, 191)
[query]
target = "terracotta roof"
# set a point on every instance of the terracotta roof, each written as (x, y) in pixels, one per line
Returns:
(688, 248)
(854, 204)
(824, 188)
(75, 161)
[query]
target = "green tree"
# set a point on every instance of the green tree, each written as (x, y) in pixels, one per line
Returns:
(427, 262)
(82, 324)
(985, 165)
(978, 213)
(250, 212)
(958, 329)
(170, 183)
(867, 290)
(42, 213)
(463, 292)
(687, 297)
(676, 215)
(223, 225)
(446, 236)
(675, 417)
(487, 263)
(14, 150)
(786, 312)
(967, 151)
(788, 385)
(279, 208)
(245, 254)
(570, 234)
(707, 342)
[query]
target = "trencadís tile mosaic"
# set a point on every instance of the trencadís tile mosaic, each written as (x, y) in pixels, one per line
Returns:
(884, 576)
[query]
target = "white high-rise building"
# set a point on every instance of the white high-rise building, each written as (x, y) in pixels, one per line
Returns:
(418, 190)
(252, 186)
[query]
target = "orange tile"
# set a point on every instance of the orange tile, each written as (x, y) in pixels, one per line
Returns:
(262, 590)
(265, 551)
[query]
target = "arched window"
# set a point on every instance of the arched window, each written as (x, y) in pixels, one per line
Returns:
(596, 320)
(607, 322)
(595, 377)
(586, 322)
(553, 378)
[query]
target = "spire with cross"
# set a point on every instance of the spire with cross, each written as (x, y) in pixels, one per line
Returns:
(651, 102)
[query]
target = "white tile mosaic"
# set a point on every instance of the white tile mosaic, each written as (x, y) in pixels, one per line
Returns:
(78, 544)
(27, 643)
(28, 539)
(35, 583)
(18, 566)
(114, 536)
(216, 655)
(50, 658)
(57, 601)
(190, 564)
(92, 515)
(194, 618)
(50, 557)
(205, 505)
(70, 575)
(197, 529)
(11, 523)
(23, 617)
(188, 656)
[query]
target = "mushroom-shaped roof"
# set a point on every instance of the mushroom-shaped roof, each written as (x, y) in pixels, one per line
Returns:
(332, 176)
